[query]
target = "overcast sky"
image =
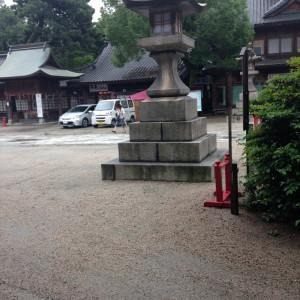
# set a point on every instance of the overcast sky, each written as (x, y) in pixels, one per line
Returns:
(96, 4)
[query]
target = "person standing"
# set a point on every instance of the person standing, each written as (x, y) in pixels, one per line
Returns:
(120, 118)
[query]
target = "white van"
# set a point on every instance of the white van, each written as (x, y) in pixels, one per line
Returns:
(105, 112)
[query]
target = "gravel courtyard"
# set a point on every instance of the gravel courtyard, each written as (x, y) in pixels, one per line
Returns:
(66, 234)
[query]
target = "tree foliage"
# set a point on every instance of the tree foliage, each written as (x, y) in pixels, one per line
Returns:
(12, 29)
(66, 24)
(122, 28)
(273, 149)
(220, 31)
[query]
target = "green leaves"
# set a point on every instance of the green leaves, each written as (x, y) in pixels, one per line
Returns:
(273, 150)
(66, 24)
(12, 29)
(122, 28)
(220, 32)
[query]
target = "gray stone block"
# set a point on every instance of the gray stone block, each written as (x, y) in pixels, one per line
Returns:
(185, 172)
(184, 131)
(194, 151)
(129, 151)
(142, 132)
(168, 131)
(168, 109)
(108, 171)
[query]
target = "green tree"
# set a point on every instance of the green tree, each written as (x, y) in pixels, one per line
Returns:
(12, 30)
(273, 149)
(220, 31)
(66, 24)
(122, 28)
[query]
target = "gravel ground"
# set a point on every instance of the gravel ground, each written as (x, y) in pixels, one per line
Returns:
(66, 234)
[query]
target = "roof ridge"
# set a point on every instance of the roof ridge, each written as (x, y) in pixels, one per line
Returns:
(276, 6)
(40, 45)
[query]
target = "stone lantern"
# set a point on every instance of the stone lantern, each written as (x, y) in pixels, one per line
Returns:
(170, 143)
(237, 112)
(166, 43)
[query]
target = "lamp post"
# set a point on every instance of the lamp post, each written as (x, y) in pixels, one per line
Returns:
(248, 58)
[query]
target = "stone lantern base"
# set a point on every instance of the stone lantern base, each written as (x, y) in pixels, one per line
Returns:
(170, 143)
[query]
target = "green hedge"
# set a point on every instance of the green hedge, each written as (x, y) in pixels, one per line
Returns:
(273, 150)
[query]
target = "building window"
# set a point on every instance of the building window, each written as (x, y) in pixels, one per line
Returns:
(162, 23)
(273, 46)
(283, 45)
(286, 44)
(178, 23)
(2, 105)
(257, 50)
(21, 104)
(298, 43)
(49, 102)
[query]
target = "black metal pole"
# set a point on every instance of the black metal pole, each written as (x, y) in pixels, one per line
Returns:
(244, 54)
(229, 112)
(234, 198)
(245, 92)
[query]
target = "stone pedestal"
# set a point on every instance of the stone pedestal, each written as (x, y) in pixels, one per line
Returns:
(169, 144)
(237, 112)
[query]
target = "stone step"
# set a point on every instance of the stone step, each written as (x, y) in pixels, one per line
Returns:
(192, 151)
(147, 171)
(168, 131)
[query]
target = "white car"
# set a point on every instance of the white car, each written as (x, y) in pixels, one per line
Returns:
(79, 115)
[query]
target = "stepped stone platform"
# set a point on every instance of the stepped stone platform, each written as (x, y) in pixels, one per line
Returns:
(172, 146)
(157, 171)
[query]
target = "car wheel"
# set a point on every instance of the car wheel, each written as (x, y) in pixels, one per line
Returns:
(113, 122)
(85, 122)
(96, 126)
(131, 119)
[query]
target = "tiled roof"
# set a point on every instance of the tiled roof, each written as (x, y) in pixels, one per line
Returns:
(31, 59)
(260, 10)
(276, 6)
(102, 70)
(266, 62)
(257, 8)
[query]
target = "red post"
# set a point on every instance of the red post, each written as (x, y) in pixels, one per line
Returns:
(255, 121)
(218, 177)
(4, 122)
(221, 195)
(227, 172)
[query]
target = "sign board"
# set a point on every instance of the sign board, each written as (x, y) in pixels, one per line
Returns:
(198, 96)
(63, 83)
(203, 80)
(98, 87)
(39, 105)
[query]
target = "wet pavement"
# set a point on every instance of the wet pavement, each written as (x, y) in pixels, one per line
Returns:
(52, 134)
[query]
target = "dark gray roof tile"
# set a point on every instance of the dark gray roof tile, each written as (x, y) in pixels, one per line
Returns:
(257, 8)
(260, 10)
(102, 70)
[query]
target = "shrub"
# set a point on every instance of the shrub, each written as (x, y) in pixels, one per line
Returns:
(273, 150)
